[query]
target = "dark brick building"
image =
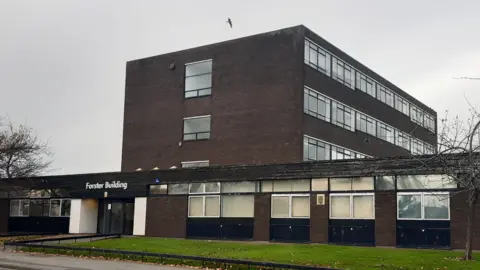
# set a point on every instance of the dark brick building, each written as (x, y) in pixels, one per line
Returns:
(277, 97)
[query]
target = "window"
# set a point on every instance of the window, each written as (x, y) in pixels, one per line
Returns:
(238, 205)
(416, 115)
(290, 206)
(342, 116)
(39, 193)
(430, 122)
(384, 95)
(178, 188)
(385, 182)
(286, 185)
(385, 132)
(196, 128)
(320, 184)
(212, 187)
(204, 206)
(316, 104)
(239, 187)
(315, 150)
(19, 208)
(39, 208)
(158, 189)
(60, 207)
(317, 57)
(401, 105)
(416, 146)
(195, 164)
(434, 181)
(198, 79)
(341, 153)
(428, 149)
(366, 124)
(365, 84)
(402, 139)
(352, 206)
(423, 205)
(343, 73)
(348, 184)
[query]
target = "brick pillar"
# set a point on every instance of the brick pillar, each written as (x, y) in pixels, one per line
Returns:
(261, 221)
(458, 221)
(167, 216)
(386, 218)
(319, 220)
(4, 214)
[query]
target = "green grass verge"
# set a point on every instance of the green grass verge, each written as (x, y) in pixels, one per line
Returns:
(343, 257)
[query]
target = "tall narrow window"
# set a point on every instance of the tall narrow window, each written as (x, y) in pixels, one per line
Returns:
(366, 124)
(343, 73)
(416, 115)
(196, 128)
(402, 105)
(384, 95)
(316, 104)
(343, 116)
(317, 57)
(198, 79)
(365, 84)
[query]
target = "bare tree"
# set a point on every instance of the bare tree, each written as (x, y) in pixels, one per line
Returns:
(22, 153)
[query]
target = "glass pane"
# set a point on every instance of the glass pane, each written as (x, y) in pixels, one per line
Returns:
(205, 135)
(300, 185)
(340, 206)
(198, 82)
(212, 187)
(280, 207)
(189, 94)
(312, 104)
(363, 207)
(282, 186)
(205, 92)
(212, 206)
(24, 207)
(410, 206)
(55, 208)
(362, 183)
(267, 186)
(321, 61)
(195, 125)
(320, 184)
(300, 206)
(197, 187)
(198, 68)
(14, 208)
(436, 206)
(177, 188)
(313, 56)
(238, 205)
(238, 187)
(195, 208)
(339, 184)
(385, 183)
(158, 189)
(65, 208)
(39, 208)
(195, 164)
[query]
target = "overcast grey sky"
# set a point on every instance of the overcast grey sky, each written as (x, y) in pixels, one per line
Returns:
(62, 63)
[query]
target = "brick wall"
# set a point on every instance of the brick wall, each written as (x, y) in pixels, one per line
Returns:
(261, 231)
(319, 215)
(385, 218)
(459, 212)
(167, 216)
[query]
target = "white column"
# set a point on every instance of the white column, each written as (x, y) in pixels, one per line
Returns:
(83, 216)
(140, 215)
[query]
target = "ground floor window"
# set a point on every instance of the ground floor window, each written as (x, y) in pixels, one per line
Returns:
(423, 205)
(290, 206)
(19, 208)
(352, 206)
(204, 206)
(60, 207)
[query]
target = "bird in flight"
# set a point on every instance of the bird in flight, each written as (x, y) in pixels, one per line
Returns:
(230, 22)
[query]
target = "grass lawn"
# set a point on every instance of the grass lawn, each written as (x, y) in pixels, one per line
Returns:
(343, 257)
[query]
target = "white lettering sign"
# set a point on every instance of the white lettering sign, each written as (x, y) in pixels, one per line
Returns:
(109, 185)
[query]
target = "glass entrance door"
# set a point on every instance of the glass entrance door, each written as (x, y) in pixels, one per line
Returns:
(115, 216)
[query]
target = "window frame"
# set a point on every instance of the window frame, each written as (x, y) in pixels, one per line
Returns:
(197, 90)
(312, 46)
(344, 109)
(290, 199)
(195, 162)
(310, 93)
(20, 208)
(204, 184)
(422, 205)
(342, 76)
(351, 195)
(204, 205)
(197, 133)
(60, 208)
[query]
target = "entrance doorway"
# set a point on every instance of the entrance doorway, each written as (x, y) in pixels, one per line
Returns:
(115, 216)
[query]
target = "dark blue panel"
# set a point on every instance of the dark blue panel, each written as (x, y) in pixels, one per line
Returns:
(220, 228)
(39, 224)
(423, 234)
(351, 232)
(290, 230)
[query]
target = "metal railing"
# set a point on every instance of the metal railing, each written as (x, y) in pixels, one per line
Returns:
(37, 245)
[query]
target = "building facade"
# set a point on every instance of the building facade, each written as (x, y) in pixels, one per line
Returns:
(403, 202)
(277, 97)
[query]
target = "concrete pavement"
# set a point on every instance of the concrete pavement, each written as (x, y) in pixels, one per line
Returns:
(26, 261)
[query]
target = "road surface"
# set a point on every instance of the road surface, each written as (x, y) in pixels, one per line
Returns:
(26, 261)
